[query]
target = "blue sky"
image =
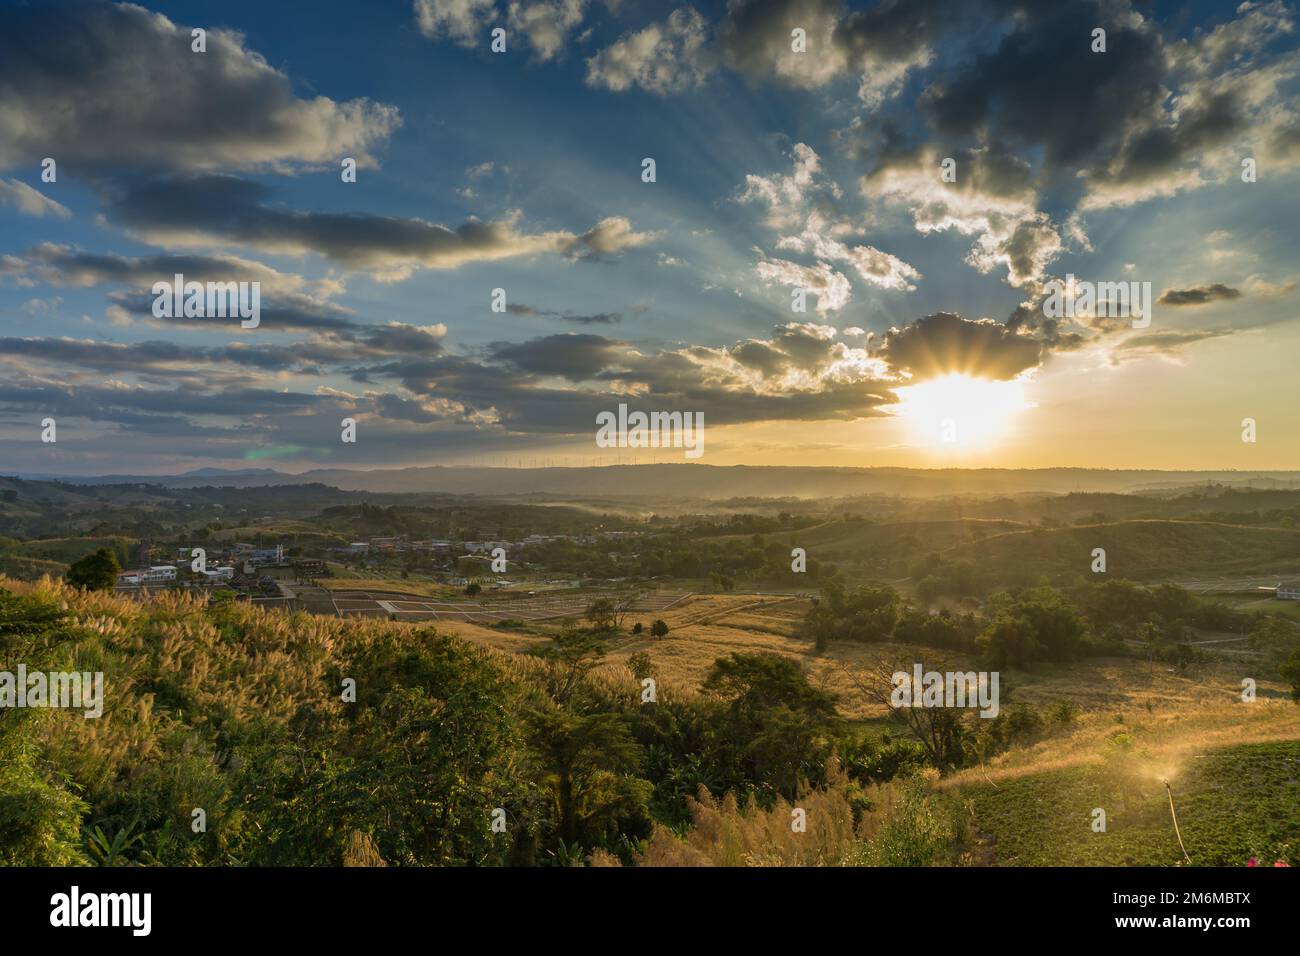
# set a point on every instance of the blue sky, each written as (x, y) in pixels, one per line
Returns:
(776, 171)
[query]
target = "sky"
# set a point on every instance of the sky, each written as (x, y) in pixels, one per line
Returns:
(846, 254)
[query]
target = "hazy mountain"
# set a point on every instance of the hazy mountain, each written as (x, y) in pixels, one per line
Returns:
(682, 481)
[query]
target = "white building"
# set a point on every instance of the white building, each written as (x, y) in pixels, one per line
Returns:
(159, 574)
(1288, 592)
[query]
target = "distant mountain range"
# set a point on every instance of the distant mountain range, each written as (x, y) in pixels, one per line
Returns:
(693, 481)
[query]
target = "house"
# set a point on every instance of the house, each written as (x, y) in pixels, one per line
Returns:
(1288, 592)
(159, 574)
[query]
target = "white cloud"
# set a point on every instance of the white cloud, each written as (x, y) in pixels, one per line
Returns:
(668, 57)
(29, 201)
(831, 288)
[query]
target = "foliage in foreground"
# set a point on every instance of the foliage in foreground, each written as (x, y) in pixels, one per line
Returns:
(232, 735)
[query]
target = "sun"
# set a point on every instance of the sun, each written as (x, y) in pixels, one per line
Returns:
(959, 411)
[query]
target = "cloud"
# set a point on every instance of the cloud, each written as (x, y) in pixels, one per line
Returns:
(993, 198)
(1147, 118)
(464, 21)
(133, 93)
(1044, 87)
(892, 38)
(880, 269)
(544, 24)
(208, 210)
(946, 343)
(1166, 345)
(806, 205)
(831, 288)
(790, 199)
(29, 201)
(608, 237)
(599, 318)
(668, 57)
(576, 357)
(64, 265)
(755, 40)
(1199, 295)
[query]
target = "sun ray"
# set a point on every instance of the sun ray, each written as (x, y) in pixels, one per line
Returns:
(959, 410)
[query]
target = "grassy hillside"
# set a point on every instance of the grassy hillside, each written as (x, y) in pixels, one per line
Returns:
(1141, 550)
(1233, 803)
(246, 714)
(856, 537)
(67, 550)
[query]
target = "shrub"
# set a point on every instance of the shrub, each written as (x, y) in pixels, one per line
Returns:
(95, 572)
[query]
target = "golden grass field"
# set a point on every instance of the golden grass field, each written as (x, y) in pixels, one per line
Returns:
(705, 627)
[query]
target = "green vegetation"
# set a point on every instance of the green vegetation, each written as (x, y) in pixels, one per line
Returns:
(304, 739)
(313, 740)
(95, 572)
(1232, 804)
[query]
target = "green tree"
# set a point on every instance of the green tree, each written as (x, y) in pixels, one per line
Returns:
(588, 763)
(587, 756)
(658, 629)
(95, 572)
(601, 614)
(418, 763)
(783, 725)
(1291, 672)
(640, 665)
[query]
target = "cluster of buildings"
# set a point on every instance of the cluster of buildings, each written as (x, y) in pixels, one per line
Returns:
(401, 544)
(223, 566)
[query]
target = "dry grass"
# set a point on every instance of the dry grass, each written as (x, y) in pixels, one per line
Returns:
(897, 823)
(396, 583)
(1170, 733)
(706, 627)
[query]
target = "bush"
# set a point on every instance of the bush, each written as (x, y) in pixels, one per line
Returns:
(1291, 672)
(95, 572)
(658, 629)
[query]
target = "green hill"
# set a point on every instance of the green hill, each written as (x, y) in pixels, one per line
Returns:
(1141, 550)
(1232, 804)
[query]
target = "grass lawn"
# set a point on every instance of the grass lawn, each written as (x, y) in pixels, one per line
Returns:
(1232, 803)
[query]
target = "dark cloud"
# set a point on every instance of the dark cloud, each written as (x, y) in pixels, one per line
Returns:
(946, 343)
(208, 209)
(288, 312)
(1044, 87)
(108, 84)
(1199, 295)
(754, 36)
(598, 318)
(575, 357)
(67, 265)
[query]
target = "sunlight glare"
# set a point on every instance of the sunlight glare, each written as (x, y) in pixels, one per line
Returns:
(959, 410)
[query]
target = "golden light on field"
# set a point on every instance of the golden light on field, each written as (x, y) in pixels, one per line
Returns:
(959, 410)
